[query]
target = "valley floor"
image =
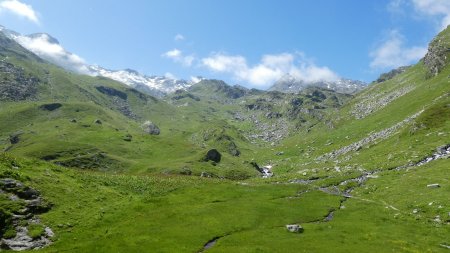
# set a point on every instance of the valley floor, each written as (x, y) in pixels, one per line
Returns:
(97, 212)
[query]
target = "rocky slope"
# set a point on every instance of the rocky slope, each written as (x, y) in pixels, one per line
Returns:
(437, 56)
(261, 116)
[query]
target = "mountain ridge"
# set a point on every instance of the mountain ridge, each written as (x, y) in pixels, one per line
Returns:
(290, 84)
(158, 86)
(154, 85)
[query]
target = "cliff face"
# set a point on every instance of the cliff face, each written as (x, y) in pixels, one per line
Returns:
(438, 52)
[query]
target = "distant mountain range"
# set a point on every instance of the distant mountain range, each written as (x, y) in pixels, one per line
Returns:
(49, 48)
(158, 86)
(291, 84)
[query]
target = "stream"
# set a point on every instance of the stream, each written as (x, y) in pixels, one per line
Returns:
(441, 153)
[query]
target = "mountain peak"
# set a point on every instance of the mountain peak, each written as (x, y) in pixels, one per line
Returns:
(157, 86)
(132, 71)
(44, 36)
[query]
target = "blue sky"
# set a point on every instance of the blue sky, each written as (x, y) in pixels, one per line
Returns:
(251, 43)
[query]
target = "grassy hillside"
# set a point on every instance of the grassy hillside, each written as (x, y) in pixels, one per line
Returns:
(96, 123)
(79, 173)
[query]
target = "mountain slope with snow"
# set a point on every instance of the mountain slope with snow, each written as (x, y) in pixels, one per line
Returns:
(290, 84)
(49, 48)
(158, 86)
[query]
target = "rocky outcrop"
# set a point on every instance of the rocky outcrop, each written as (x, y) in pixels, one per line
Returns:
(15, 84)
(212, 155)
(112, 92)
(437, 55)
(123, 107)
(20, 227)
(119, 100)
(150, 128)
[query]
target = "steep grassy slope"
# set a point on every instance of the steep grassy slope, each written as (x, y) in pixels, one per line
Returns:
(95, 123)
(387, 125)
(371, 176)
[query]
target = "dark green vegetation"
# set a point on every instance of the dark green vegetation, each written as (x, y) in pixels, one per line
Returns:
(85, 160)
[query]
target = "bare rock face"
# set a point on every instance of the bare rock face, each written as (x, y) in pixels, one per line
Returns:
(112, 92)
(437, 55)
(213, 155)
(150, 128)
(16, 85)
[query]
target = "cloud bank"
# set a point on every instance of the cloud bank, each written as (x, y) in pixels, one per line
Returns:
(439, 9)
(435, 10)
(20, 9)
(393, 53)
(177, 56)
(270, 68)
(45, 47)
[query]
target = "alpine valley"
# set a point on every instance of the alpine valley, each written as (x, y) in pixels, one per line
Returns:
(98, 160)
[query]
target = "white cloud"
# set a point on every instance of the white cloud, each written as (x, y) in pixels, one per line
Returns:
(43, 47)
(312, 73)
(18, 8)
(179, 37)
(196, 79)
(172, 53)
(437, 10)
(269, 69)
(225, 63)
(178, 57)
(392, 53)
(170, 75)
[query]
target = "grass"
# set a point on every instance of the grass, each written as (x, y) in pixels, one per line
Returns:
(35, 231)
(102, 212)
(94, 210)
(146, 194)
